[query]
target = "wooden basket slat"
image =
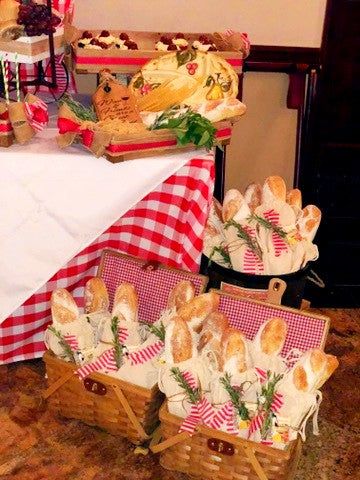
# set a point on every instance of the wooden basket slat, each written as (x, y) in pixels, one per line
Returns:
(193, 456)
(72, 400)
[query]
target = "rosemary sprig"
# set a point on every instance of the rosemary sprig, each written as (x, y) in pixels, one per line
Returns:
(224, 252)
(63, 343)
(268, 225)
(251, 243)
(118, 347)
(82, 112)
(192, 394)
(159, 331)
(234, 394)
(268, 392)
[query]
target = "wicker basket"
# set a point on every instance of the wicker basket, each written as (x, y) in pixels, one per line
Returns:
(117, 406)
(114, 405)
(213, 455)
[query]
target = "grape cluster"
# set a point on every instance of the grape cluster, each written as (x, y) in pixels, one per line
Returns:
(37, 19)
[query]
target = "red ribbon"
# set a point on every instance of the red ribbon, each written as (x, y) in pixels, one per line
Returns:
(37, 114)
(65, 125)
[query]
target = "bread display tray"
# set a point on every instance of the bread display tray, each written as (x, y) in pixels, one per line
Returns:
(130, 61)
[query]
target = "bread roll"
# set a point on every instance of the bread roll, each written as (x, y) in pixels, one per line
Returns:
(234, 206)
(212, 330)
(312, 370)
(309, 221)
(274, 189)
(234, 355)
(63, 307)
(199, 308)
(294, 198)
(300, 379)
(179, 343)
(96, 296)
(181, 294)
(253, 195)
(332, 364)
(126, 302)
(273, 336)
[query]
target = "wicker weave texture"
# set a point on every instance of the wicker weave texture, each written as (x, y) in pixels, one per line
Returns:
(193, 456)
(73, 400)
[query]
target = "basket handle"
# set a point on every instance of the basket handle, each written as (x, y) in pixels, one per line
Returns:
(249, 452)
(170, 442)
(129, 412)
(56, 385)
(276, 290)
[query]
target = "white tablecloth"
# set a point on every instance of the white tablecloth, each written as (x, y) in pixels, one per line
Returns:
(54, 203)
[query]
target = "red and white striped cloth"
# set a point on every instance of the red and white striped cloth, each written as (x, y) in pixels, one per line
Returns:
(123, 335)
(72, 341)
(166, 226)
(37, 114)
(145, 354)
(106, 361)
(252, 263)
(190, 379)
(261, 374)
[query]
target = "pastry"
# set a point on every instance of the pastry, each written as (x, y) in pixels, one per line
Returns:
(217, 110)
(123, 42)
(85, 39)
(204, 44)
(274, 188)
(106, 37)
(195, 311)
(126, 302)
(96, 295)
(181, 294)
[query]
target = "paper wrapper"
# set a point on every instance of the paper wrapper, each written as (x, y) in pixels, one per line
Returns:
(22, 129)
(177, 402)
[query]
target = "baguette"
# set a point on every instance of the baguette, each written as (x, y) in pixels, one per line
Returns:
(273, 336)
(212, 330)
(332, 364)
(294, 198)
(96, 295)
(63, 307)
(274, 188)
(199, 308)
(181, 294)
(234, 207)
(234, 355)
(126, 302)
(179, 344)
(253, 196)
(309, 221)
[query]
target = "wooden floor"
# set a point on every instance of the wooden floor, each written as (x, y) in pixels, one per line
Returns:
(34, 445)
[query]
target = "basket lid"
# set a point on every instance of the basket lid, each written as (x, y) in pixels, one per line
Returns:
(153, 281)
(306, 330)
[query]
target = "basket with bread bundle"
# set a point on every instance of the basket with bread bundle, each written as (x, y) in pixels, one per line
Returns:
(124, 52)
(24, 30)
(102, 364)
(180, 100)
(242, 383)
(262, 234)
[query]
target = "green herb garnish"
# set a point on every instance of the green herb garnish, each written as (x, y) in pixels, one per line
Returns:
(189, 127)
(250, 242)
(63, 343)
(158, 331)
(118, 347)
(267, 393)
(192, 394)
(268, 225)
(235, 397)
(82, 112)
(224, 252)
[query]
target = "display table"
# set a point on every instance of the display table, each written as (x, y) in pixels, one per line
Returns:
(61, 209)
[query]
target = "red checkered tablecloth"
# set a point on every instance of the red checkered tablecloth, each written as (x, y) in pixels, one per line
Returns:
(166, 226)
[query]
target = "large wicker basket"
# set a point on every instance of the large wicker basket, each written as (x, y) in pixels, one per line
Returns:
(213, 455)
(119, 407)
